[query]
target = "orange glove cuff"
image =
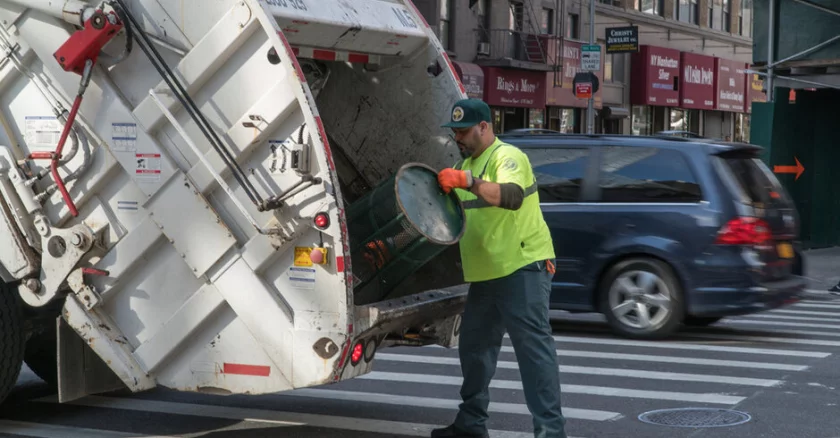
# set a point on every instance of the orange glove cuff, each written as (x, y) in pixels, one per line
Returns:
(455, 179)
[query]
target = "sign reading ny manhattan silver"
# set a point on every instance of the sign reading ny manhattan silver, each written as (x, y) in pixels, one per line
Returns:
(622, 39)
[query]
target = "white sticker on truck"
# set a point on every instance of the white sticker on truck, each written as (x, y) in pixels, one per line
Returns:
(147, 167)
(300, 5)
(42, 132)
(124, 137)
(302, 278)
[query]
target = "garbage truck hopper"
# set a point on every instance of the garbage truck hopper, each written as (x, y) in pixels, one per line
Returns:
(229, 197)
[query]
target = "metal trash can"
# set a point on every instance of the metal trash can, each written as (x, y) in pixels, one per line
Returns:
(399, 226)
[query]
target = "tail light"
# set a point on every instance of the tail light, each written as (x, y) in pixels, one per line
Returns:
(744, 231)
(358, 351)
(322, 220)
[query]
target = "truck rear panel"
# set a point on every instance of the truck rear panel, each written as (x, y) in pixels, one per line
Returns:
(198, 270)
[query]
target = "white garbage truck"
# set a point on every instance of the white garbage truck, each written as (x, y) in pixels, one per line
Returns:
(179, 181)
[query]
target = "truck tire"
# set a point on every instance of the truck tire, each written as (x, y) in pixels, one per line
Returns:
(41, 356)
(12, 340)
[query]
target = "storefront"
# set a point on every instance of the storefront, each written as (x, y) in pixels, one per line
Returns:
(754, 85)
(516, 98)
(472, 77)
(730, 99)
(697, 92)
(567, 113)
(654, 80)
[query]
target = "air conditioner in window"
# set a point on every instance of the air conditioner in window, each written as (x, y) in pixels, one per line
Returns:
(484, 48)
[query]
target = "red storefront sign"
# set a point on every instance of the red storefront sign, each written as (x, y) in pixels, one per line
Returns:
(755, 90)
(563, 95)
(730, 85)
(514, 88)
(583, 90)
(697, 84)
(655, 73)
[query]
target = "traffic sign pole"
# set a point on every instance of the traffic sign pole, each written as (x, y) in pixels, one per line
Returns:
(590, 107)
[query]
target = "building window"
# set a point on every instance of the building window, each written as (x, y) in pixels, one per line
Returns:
(745, 19)
(445, 20)
(712, 14)
(559, 173)
(688, 11)
(653, 7)
(727, 17)
(641, 120)
(645, 175)
(573, 26)
(614, 67)
(547, 21)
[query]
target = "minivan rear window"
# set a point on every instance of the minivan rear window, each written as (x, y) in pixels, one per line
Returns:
(755, 182)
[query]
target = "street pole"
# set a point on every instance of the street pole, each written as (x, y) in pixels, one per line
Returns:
(590, 107)
(771, 50)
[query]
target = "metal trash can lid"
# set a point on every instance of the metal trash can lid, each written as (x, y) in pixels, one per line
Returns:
(436, 215)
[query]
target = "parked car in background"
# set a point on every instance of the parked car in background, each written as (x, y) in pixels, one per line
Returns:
(655, 232)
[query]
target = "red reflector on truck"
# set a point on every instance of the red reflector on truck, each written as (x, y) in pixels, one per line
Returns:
(339, 264)
(358, 350)
(246, 370)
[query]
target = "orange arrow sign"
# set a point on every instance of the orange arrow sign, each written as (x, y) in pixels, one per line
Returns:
(798, 169)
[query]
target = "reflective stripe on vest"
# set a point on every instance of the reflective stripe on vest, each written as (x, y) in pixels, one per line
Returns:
(481, 203)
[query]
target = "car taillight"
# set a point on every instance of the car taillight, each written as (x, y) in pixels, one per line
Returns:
(744, 231)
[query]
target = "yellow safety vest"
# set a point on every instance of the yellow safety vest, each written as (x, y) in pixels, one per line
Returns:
(497, 241)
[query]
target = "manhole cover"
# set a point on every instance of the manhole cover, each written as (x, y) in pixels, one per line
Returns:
(695, 417)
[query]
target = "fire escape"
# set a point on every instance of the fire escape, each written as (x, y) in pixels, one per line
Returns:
(522, 45)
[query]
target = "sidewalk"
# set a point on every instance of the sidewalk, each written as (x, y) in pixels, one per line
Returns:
(822, 268)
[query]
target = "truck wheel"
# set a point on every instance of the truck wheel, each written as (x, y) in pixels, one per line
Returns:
(12, 340)
(642, 298)
(41, 356)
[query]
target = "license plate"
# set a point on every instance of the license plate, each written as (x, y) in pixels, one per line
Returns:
(785, 250)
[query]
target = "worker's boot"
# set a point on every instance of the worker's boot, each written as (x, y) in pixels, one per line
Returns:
(453, 432)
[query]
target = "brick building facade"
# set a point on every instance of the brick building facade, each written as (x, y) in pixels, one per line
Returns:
(522, 55)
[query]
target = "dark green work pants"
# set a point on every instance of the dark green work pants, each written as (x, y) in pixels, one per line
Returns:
(517, 303)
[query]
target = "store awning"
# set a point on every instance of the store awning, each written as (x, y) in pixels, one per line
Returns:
(614, 112)
(472, 77)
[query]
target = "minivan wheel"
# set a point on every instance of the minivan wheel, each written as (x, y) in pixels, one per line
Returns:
(642, 298)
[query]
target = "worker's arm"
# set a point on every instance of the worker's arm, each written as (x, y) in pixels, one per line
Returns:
(508, 192)
(507, 195)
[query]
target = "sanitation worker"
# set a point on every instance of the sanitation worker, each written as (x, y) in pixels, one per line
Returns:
(508, 259)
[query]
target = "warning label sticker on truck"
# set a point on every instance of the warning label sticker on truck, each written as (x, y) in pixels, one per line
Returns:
(42, 132)
(147, 167)
(302, 278)
(302, 256)
(124, 137)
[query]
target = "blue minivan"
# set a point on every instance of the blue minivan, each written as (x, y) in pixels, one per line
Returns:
(656, 232)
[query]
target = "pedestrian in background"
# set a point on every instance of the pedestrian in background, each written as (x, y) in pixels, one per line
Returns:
(508, 259)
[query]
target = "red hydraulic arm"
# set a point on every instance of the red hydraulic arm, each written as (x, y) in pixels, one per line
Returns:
(78, 55)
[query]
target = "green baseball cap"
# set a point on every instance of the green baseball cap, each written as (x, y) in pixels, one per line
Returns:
(468, 112)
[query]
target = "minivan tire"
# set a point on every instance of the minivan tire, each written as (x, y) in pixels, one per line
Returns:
(12, 340)
(701, 321)
(663, 281)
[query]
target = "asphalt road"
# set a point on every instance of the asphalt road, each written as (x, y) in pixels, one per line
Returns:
(779, 367)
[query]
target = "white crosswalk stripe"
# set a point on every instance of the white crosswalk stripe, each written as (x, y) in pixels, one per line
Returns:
(604, 377)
